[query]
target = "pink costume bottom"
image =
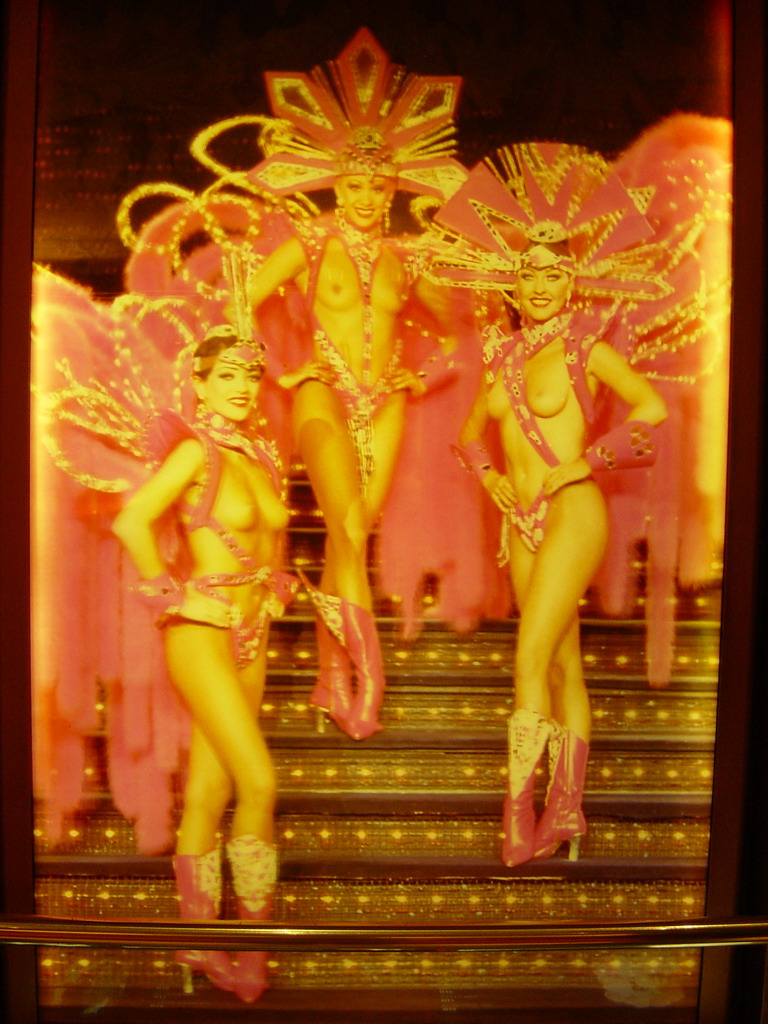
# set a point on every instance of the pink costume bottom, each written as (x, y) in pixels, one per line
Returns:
(360, 400)
(246, 636)
(529, 524)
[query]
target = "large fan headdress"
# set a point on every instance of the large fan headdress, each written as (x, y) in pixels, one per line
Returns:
(363, 115)
(536, 198)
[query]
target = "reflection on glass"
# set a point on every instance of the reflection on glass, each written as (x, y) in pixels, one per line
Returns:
(404, 828)
(646, 985)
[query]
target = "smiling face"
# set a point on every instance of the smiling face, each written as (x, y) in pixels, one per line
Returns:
(231, 386)
(364, 200)
(542, 292)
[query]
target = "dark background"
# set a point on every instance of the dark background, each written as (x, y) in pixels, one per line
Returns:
(125, 86)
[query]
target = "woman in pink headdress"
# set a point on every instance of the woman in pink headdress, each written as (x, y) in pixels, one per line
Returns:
(219, 479)
(554, 229)
(557, 527)
(349, 395)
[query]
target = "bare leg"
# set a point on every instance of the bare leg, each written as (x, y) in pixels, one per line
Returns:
(388, 426)
(207, 792)
(558, 575)
(568, 691)
(329, 455)
(230, 744)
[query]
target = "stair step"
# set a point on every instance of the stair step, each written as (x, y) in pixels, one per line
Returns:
(555, 889)
(478, 717)
(446, 657)
(635, 825)
(470, 716)
(684, 832)
(366, 771)
(382, 986)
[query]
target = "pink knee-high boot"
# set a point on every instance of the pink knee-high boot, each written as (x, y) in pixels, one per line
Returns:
(254, 873)
(563, 818)
(198, 880)
(361, 640)
(353, 629)
(528, 733)
(333, 690)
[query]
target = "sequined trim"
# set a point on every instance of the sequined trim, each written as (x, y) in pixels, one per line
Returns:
(529, 524)
(554, 748)
(247, 636)
(360, 402)
(528, 732)
(254, 871)
(328, 607)
(208, 876)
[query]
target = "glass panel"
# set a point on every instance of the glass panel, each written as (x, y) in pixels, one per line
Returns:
(626, 985)
(405, 826)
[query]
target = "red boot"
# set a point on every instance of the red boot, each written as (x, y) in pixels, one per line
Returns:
(362, 643)
(528, 733)
(333, 691)
(254, 873)
(563, 818)
(352, 628)
(198, 880)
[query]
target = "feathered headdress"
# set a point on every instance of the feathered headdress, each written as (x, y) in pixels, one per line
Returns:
(558, 198)
(364, 115)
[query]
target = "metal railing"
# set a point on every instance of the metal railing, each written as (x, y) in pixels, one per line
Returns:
(178, 934)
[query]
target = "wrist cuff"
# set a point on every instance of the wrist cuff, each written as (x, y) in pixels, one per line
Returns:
(629, 445)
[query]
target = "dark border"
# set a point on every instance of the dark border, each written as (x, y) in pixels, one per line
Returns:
(18, 1001)
(731, 981)
(731, 984)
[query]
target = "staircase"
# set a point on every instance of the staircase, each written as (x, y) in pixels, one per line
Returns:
(404, 828)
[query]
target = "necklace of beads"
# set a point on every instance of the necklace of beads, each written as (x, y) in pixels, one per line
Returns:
(539, 335)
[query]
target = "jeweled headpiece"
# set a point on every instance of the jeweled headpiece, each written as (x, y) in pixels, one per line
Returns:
(546, 203)
(363, 115)
(237, 352)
